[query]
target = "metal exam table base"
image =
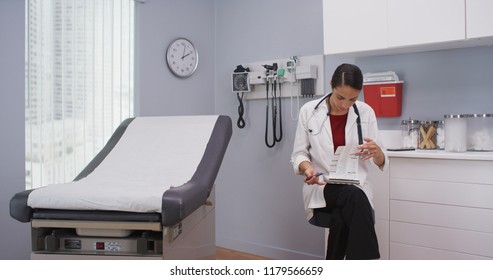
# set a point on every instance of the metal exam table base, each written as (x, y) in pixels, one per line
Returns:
(191, 238)
(149, 194)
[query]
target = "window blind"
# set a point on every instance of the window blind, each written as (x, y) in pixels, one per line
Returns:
(79, 83)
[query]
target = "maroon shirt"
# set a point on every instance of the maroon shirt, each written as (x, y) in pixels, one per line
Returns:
(338, 126)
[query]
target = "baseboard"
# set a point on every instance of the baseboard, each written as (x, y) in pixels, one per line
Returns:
(264, 250)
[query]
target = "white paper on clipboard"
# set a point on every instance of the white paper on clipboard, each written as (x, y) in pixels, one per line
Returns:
(344, 166)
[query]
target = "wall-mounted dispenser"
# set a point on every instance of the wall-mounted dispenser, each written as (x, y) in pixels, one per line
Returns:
(383, 92)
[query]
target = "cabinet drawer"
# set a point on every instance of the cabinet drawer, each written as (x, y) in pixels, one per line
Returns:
(455, 240)
(380, 187)
(474, 219)
(400, 251)
(464, 171)
(461, 194)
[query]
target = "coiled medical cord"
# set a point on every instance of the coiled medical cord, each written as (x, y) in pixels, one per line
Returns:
(267, 117)
(241, 109)
(274, 112)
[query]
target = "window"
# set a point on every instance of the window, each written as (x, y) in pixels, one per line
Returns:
(79, 83)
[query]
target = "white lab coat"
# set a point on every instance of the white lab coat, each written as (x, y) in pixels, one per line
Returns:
(316, 146)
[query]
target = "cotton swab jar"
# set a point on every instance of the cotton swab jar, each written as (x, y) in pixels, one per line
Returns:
(455, 133)
(409, 133)
(480, 132)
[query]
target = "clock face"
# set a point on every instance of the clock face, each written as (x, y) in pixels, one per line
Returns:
(182, 57)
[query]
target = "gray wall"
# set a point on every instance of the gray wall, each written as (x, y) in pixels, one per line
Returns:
(259, 199)
(14, 236)
(259, 205)
(161, 93)
(158, 91)
(457, 81)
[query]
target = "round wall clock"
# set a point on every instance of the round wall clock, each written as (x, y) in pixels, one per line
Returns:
(182, 57)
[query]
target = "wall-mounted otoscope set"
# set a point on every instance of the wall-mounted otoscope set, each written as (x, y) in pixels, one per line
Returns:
(272, 77)
(296, 76)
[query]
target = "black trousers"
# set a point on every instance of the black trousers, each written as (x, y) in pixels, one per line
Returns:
(352, 236)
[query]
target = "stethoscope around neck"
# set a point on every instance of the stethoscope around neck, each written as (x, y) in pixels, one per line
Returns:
(356, 111)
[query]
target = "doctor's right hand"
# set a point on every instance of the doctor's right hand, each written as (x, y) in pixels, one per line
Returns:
(312, 177)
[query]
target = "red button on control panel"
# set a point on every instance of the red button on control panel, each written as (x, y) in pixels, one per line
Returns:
(99, 245)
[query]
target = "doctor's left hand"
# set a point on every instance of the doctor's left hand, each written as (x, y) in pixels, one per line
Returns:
(371, 150)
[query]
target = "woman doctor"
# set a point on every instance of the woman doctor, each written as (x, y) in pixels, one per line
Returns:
(324, 125)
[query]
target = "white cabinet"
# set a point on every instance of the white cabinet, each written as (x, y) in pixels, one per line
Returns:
(434, 205)
(479, 18)
(354, 25)
(419, 22)
(380, 185)
(399, 26)
(441, 209)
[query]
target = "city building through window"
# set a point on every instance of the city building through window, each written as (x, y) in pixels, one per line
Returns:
(79, 83)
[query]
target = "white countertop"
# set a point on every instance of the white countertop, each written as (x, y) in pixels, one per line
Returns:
(440, 154)
(392, 138)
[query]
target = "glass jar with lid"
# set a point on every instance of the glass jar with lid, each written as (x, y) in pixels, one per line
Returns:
(409, 133)
(455, 133)
(480, 132)
(427, 135)
(440, 134)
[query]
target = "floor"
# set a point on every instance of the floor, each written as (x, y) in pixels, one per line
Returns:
(228, 254)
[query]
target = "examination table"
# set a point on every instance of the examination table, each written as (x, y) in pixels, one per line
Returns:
(149, 194)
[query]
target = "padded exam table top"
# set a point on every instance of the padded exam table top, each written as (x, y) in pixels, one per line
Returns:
(152, 169)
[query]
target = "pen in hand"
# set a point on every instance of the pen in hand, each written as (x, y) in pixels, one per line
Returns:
(316, 175)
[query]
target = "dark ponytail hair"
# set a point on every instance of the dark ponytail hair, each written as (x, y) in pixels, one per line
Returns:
(347, 75)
